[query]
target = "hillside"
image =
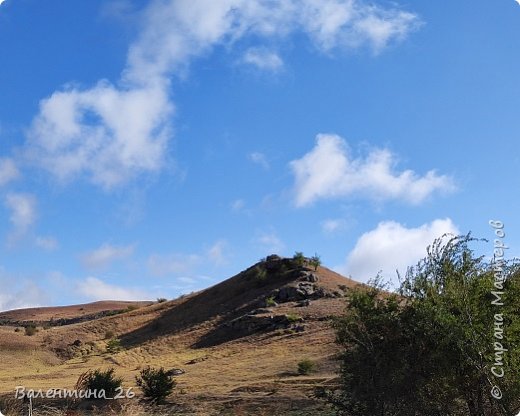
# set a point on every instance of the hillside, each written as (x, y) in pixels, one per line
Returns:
(237, 343)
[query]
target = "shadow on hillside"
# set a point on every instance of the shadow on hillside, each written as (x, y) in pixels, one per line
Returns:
(212, 307)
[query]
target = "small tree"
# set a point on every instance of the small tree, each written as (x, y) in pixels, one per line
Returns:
(156, 384)
(315, 262)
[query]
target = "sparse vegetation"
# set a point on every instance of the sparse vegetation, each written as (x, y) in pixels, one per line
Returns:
(105, 380)
(292, 317)
(269, 301)
(109, 334)
(299, 259)
(114, 345)
(30, 330)
(315, 261)
(161, 300)
(156, 384)
(306, 366)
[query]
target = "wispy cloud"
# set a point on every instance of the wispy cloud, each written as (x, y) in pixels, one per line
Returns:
(260, 159)
(114, 132)
(95, 289)
(47, 243)
(270, 242)
(23, 214)
(329, 171)
(334, 225)
(106, 254)
(263, 59)
(392, 246)
(8, 171)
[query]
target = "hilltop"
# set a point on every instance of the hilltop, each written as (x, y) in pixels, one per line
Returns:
(233, 345)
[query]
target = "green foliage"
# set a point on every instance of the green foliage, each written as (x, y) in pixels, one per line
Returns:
(306, 366)
(113, 346)
(429, 350)
(270, 301)
(156, 384)
(97, 380)
(292, 317)
(30, 330)
(109, 334)
(299, 259)
(315, 261)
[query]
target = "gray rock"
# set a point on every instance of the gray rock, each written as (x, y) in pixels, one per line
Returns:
(303, 303)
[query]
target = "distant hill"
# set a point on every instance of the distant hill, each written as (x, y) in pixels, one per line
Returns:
(236, 343)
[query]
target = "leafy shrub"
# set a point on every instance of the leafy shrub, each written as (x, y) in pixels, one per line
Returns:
(299, 258)
(114, 345)
(270, 301)
(30, 330)
(100, 380)
(292, 317)
(156, 384)
(306, 366)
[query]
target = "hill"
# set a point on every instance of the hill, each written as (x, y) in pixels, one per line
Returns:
(233, 346)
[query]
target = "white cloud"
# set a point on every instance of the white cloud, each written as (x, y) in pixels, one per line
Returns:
(392, 246)
(238, 205)
(8, 171)
(173, 264)
(329, 171)
(106, 254)
(111, 133)
(23, 213)
(333, 225)
(46, 243)
(217, 253)
(270, 242)
(263, 59)
(260, 159)
(95, 289)
(2, 1)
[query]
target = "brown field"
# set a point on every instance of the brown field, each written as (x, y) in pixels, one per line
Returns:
(241, 368)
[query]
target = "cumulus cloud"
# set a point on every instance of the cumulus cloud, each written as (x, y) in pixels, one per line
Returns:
(330, 171)
(8, 171)
(113, 132)
(106, 254)
(23, 213)
(392, 246)
(263, 59)
(95, 289)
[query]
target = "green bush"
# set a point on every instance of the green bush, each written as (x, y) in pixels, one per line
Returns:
(30, 330)
(114, 345)
(270, 301)
(292, 317)
(156, 384)
(306, 366)
(299, 259)
(99, 380)
(315, 262)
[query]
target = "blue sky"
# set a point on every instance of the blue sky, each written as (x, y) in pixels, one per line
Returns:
(153, 148)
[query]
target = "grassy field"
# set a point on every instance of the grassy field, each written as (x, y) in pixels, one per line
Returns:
(254, 373)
